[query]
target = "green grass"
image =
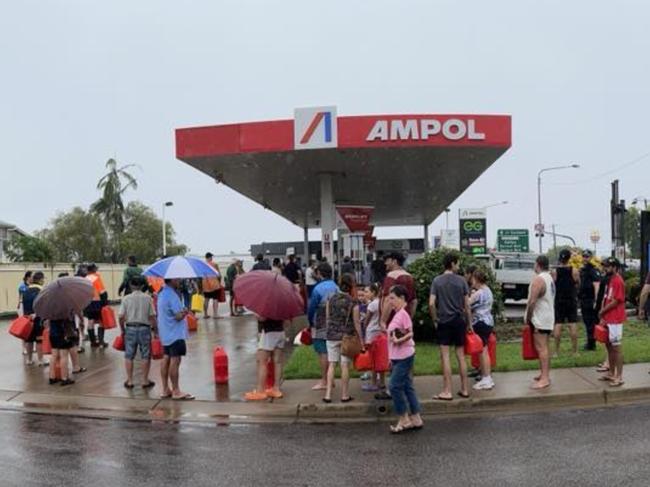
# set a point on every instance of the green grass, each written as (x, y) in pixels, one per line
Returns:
(303, 363)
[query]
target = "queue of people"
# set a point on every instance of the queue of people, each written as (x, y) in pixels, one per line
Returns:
(346, 319)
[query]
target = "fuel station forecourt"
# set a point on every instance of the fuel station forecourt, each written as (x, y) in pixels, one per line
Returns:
(406, 169)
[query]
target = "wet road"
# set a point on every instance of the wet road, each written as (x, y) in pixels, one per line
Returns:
(593, 448)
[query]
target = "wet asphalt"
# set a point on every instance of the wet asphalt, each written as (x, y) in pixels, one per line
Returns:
(581, 448)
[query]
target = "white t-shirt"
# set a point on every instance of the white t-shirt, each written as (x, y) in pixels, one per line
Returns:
(544, 312)
(374, 327)
(310, 280)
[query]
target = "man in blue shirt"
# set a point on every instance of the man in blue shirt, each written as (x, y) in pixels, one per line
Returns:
(316, 315)
(172, 329)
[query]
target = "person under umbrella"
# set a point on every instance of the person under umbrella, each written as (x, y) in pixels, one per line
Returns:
(58, 303)
(172, 323)
(275, 301)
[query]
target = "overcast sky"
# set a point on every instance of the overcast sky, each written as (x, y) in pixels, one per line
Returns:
(82, 81)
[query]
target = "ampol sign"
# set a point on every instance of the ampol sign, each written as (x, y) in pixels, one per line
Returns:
(315, 128)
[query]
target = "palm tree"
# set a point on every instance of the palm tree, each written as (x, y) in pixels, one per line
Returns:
(110, 206)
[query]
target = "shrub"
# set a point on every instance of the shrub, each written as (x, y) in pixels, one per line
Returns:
(429, 266)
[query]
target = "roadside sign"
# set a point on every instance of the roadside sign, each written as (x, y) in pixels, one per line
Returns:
(513, 240)
(473, 233)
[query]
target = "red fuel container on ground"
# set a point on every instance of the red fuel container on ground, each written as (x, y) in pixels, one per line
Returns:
(220, 363)
(21, 327)
(528, 350)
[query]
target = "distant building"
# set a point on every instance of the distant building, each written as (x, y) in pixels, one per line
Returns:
(7, 232)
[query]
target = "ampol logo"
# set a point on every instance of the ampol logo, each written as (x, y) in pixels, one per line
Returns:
(315, 128)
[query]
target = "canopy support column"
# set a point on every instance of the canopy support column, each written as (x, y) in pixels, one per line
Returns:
(427, 245)
(306, 247)
(327, 217)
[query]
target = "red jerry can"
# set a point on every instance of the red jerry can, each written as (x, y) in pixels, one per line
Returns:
(270, 374)
(528, 350)
(157, 351)
(492, 351)
(46, 345)
(192, 322)
(21, 327)
(108, 318)
(220, 363)
(118, 343)
(380, 353)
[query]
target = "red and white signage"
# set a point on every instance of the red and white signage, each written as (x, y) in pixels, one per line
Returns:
(353, 218)
(321, 128)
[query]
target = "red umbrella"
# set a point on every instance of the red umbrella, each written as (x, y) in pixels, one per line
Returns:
(268, 294)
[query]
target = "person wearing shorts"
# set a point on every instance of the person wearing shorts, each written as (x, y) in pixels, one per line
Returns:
(172, 328)
(34, 340)
(483, 325)
(343, 319)
(540, 314)
(270, 346)
(325, 288)
(211, 287)
(449, 307)
(566, 280)
(60, 351)
(613, 315)
(137, 321)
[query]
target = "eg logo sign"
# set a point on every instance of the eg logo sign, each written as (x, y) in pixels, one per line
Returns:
(473, 226)
(315, 128)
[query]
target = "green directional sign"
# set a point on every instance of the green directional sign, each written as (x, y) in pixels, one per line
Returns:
(513, 240)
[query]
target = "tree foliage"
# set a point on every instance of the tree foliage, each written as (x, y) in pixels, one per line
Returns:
(429, 266)
(142, 234)
(24, 248)
(77, 236)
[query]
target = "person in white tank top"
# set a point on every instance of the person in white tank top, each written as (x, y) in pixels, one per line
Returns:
(540, 314)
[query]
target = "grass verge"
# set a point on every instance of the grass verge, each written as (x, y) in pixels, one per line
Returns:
(303, 363)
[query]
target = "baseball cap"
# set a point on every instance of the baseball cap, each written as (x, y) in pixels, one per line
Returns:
(587, 253)
(612, 262)
(208, 255)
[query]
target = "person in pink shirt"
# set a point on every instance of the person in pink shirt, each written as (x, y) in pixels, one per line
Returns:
(401, 350)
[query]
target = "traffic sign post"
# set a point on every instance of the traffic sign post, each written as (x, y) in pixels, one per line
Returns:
(513, 240)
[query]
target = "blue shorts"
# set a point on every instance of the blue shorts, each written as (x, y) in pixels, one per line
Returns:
(137, 337)
(176, 349)
(320, 345)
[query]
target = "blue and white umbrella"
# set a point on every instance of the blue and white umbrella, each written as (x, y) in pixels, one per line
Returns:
(181, 268)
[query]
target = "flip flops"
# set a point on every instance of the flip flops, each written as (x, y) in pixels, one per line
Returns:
(184, 397)
(464, 395)
(401, 428)
(438, 397)
(148, 385)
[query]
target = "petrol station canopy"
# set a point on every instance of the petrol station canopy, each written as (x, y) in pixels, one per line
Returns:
(408, 167)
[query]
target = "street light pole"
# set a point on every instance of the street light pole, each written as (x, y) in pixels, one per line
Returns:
(164, 230)
(539, 197)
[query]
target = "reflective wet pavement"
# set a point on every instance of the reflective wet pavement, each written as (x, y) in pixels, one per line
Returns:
(105, 375)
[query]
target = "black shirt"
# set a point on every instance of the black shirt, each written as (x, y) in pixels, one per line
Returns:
(292, 272)
(588, 276)
(261, 266)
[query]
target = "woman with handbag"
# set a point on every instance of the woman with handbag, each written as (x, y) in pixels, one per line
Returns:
(343, 336)
(401, 349)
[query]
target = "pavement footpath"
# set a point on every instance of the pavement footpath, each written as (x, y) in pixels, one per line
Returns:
(99, 392)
